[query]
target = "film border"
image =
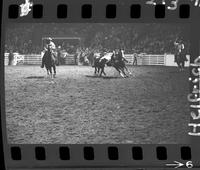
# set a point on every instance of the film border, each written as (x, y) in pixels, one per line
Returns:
(101, 158)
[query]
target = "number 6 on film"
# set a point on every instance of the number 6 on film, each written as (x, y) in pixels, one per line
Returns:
(189, 164)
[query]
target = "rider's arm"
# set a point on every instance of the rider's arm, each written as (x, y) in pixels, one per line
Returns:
(53, 46)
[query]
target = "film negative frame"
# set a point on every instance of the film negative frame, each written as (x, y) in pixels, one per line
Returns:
(108, 155)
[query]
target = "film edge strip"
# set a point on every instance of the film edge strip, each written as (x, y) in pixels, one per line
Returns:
(194, 96)
(15, 11)
(88, 156)
(194, 115)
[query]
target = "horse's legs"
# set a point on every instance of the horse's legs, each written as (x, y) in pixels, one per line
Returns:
(122, 70)
(179, 66)
(50, 72)
(103, 71)
(119, 70)
(122, 74)
(98, 69)
(47, 72)
(54, 69)
(129, 72)
(183, 65)
(95, 70)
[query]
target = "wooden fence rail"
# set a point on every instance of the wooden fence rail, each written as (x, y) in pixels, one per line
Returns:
(142, 59)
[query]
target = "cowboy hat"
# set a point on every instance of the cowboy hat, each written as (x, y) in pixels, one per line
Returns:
(49, 38)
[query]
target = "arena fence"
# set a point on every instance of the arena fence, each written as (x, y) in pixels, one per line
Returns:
(146, 59)
(142, 59)
(34, 59)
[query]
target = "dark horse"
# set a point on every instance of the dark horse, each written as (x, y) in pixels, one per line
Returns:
(180, 59)
(109, 59)
(95, 62)
(118, 62)
(50, 62)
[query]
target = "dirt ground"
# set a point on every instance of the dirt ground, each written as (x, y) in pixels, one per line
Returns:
(149, 107)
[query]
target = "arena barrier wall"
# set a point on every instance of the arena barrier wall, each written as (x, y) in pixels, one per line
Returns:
(69, 59)
(18, 59)
(36, 59)
(32, 59)
(163, 60)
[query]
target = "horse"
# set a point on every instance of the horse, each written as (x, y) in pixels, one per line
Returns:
(110, 59)
(50, 62)
(119, 63)
(180, 59)
(96, 64)
(90, 58)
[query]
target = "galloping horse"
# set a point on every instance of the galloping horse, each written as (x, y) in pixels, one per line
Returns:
(119, 63)
(49, 62)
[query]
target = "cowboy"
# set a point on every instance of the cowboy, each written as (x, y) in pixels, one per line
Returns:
(135, 57)
(50, 44)
(10, 57)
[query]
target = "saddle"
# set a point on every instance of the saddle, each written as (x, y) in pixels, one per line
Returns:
(53, 57)
(180, 57)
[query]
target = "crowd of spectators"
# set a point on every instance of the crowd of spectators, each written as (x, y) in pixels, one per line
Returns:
(139, 38)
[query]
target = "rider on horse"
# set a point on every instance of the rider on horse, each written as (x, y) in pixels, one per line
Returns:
(180, 54)
(50, 44)
(179, 47)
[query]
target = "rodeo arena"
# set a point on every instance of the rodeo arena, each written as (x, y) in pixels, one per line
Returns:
(96, 83)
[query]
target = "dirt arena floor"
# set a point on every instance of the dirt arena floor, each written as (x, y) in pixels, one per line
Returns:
(149, 107)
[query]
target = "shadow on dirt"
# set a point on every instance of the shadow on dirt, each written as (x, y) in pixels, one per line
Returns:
(92, 76)
(111, 77)
(103, 77)
(35, 77)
